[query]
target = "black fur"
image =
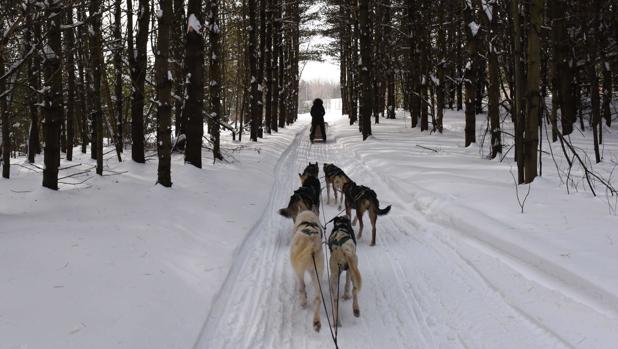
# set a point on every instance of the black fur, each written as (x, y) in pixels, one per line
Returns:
(312, 187)
(331, 170)
(355, 193)
(311, 170)
(343, 223)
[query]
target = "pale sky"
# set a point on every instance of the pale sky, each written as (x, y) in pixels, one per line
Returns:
(325, 71)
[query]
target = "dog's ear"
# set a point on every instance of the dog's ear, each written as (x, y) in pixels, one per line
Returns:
(285, 212)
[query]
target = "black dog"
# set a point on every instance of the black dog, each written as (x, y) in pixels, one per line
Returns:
(361, 199)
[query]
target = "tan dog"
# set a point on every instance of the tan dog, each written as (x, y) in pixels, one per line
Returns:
(305, 249)
(342, 245)
(335, 178)
(361, 199)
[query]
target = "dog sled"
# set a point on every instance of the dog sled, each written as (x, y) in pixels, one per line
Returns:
(317, 133)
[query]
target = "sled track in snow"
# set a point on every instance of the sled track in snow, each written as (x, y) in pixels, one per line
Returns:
(417, 291)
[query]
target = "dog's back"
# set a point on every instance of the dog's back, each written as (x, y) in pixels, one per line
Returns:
(360, 195)
(313, 184)
(306, 241)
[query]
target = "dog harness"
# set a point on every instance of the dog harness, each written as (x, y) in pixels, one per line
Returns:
(310, 231)
(338, 238)
(332, 170)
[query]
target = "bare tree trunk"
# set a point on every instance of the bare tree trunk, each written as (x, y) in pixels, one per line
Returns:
(267, 65)
(138, 74)
(164, 94)
(6, 140)
(470, 74)
(364, 67)
(118, 75)
(84, 79)
(194, 61)
(34, 64)
(70, 69)
(517, 96)
(53, 96)
(253, 62)
(177, 53)
(96, 58)
(215, 77)
(531, 136)
(274, 71)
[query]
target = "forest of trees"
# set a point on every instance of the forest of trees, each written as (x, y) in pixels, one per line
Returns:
(540, 63)
(151, 73)
(144, 73)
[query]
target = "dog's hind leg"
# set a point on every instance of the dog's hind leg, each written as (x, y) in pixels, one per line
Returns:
(334, 285)
(355, 308)
(359, 216)
(328, 193)
(300, 275)
(316, 301)
(346, 289)
(373, 217)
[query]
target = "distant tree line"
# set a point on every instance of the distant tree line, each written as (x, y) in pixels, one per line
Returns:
(144, 73)
(502, 57)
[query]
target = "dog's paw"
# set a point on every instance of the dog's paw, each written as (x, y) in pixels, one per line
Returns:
(303, 301)
(346, 296)
(372, 243)
(317, 325)
(356, 312)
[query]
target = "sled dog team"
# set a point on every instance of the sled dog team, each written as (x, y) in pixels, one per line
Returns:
(306, 253)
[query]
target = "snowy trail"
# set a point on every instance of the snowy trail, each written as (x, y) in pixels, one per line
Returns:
(418, 292)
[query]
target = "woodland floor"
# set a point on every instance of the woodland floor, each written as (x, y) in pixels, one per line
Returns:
(118, 262)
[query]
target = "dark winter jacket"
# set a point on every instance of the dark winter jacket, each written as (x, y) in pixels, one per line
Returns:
(317, 111)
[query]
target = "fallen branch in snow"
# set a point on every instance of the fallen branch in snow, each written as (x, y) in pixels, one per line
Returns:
(31, 169)
(68, 167)
(78, 183)
(21, 191)
(76, 174)
(434, 150)
(521, 203)
(114, 173)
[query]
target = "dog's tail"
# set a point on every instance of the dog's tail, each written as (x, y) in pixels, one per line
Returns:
(383, 211)
(285, 213)
(353, 266)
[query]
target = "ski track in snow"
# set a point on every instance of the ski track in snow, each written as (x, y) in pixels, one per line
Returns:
(418, 292)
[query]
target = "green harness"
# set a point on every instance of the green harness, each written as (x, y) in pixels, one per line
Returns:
(308, 229)
(338, 238)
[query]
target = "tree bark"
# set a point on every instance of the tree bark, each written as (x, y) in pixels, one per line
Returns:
(118, 75)
(364, 67)
(470, 74)
(194, 61)
(215, 77)
(138, 74)
(531, 136)
(53, 96)
(70, 69)
(164, 95)
(96, 58)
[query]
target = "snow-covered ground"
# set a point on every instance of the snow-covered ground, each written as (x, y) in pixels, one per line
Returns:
(119, 262)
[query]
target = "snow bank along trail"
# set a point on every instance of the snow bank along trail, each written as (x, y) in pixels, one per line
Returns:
(418, 291)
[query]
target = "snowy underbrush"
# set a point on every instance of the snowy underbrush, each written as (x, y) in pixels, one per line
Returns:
(116, 261)
(557, 263)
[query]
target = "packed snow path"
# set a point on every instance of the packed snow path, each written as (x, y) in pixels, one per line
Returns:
(418, 291)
